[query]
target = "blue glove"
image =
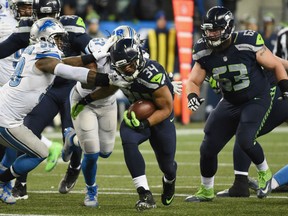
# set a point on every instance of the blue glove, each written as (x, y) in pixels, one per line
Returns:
(134, 123)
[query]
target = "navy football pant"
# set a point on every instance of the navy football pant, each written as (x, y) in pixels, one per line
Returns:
(227, 120)
(162, 138)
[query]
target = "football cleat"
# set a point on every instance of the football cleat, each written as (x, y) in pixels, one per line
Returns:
(264, 183)
(67, 150)
(253, 184)
(19, 191)
(6, 193)
(91, 196)
(202, 195)
(69, 180)
(240, 188)
(168, 192)
(146, 200)
(54, 153)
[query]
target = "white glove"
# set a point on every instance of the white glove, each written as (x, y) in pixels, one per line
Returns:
(116, 80)
(194, 101)
(177, 87)
(104, 51)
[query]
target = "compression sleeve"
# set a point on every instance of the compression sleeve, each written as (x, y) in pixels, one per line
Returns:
(72, 73)
(13, 43)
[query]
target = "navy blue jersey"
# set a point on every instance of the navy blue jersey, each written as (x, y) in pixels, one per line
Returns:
(239, 75)
(152, 77)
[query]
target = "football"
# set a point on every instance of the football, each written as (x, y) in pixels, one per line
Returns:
(142, 108)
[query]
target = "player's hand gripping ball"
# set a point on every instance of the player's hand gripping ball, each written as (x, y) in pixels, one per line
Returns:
(143, 109)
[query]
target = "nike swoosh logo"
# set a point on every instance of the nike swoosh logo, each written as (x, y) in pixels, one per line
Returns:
(266, 189)
(171, 120)
(168, 201)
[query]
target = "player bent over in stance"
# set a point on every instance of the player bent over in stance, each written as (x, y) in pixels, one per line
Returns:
(235, 60)
(141, 78)
(34, 74)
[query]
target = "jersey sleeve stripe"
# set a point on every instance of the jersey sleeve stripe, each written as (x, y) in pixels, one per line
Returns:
(47, 55)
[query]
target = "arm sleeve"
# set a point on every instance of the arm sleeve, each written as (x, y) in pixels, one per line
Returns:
(13, 43)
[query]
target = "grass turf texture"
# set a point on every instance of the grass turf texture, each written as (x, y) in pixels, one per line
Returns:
(117, 195)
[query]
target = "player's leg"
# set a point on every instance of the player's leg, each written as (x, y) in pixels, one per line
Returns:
(253, 116)
(163, 142)
(73, 154)
(136, 164)
(20, 138)
(240, 187)
(219, 129)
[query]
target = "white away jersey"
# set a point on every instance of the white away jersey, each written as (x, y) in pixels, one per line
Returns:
(27, 85)
(7, 25)
(103, 66)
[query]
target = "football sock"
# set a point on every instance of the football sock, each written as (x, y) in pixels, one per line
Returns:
(262, 166)
(281, 176)
(89, 167)
(208, 182)
(141, 181)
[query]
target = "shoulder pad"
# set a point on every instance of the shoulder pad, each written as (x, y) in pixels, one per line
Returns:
(73, 24)
(248, 40)
(200, 50)
(45, 49)
(95, 44)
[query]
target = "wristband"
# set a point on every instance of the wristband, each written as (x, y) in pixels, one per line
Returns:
(87, 59)
(86, 100)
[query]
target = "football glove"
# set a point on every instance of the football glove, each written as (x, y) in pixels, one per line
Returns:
(78, 107)
(177, 87)
(134, 123)
(283, 85)
(104, 52)
(194, 101)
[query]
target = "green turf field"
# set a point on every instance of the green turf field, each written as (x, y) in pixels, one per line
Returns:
(117, 195)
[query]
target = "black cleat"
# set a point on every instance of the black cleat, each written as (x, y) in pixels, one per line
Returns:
(19, 191)
(69, 180)
(168, 192)
(240, 188)
(145, 201)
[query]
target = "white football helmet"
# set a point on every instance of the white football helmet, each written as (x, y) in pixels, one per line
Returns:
(46, 29)
(125, 31)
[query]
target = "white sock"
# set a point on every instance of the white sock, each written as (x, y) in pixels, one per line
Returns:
(274, 184)
(207, 182)
(46, 141)
(236, 172)
(263, 166)
(141, 181)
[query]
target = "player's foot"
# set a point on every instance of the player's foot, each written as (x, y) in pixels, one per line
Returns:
(19, 191)
(91, 196)
(253, 184)
(264, 183)
(69, 180)
(146, 200)
(168, 192)
(54, 154)
(67, 150)
(240, 188)
(203, 195)
(6, 193)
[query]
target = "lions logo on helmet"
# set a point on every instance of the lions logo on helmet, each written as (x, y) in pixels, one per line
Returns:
(218, 26)
(46, 29)
(125, 31)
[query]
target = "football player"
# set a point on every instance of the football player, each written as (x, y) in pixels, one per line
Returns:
(235, 61)
(34, 74)
(57, 97)
(141, 78)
